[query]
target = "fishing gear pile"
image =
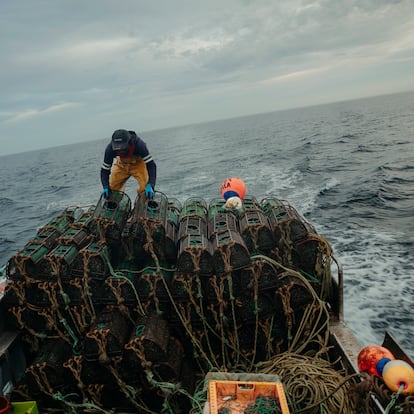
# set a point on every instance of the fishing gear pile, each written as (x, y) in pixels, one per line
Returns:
(127, 308)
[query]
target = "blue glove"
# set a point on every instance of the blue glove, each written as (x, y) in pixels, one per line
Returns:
(105, 193)
(149, 192)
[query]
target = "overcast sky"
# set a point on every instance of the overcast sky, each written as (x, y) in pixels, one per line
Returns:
(74, 70)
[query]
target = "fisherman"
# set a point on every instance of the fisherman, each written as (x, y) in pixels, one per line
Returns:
(132, 158)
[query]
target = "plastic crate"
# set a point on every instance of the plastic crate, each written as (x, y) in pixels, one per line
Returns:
(236, 396)
(26, 407)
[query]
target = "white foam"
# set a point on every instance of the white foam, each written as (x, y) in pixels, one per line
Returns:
(331, 183)
(376, 274)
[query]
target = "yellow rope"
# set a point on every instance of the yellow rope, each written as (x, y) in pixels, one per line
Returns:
(311, 383)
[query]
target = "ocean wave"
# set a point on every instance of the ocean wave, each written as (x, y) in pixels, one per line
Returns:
(57, 188)
(377, 268)
(396, 168)
(370, 198)
(329, 185)
(6, 202)
(363, 148)
(5, 241)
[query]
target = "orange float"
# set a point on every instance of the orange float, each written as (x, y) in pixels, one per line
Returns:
(370, 356)
(233, 187)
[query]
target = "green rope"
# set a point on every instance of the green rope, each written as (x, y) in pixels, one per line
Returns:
(263, 405)
(118, 275)
(74, 407)
(394, 399)
(309, 276)
(170, 389)
(70, 332)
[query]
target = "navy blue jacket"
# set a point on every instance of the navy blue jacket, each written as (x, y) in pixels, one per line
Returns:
(140, 149)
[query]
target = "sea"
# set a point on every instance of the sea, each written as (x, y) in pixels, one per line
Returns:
(347, 167)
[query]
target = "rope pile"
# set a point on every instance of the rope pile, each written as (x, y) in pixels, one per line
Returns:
(312, 385)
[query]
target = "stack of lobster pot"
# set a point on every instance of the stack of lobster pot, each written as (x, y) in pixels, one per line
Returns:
(298, 244)
(193, 246)
(255, 227)
(228, 247)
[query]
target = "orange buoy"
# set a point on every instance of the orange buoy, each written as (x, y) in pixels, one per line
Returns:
(370, 356)
(397, 374)
(233, 187)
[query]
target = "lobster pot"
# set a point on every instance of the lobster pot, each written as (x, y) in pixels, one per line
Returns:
(47, 236)
(221, 287)
(72, 213)
(170, 242)
(118, 290)
(222, 222)
(110, 216)
(85, 219)
(74, 236)
(60, 223)
(58, 263)
(286, 223)
(256, 231)
(83, 315)
(93, 372)
(296, 291)
(155, 209)
(194, 255)
(249, 308)
(15, 293)
(305, 254)
(194, 207)
(74, 293)
(49, 363)
(169, 369)
(171, 229)
(174, 211)
(188, 311)
(217, 208)
(184, 286)
(273, 206)
(153, 284)
(27, 263)
(296, 295)
(250, 203)
(132, 246)
(153, 333)
(150, 217)
(192, 226)
(20, 293)
(93, 259)
(229, 252)
(80, 291)
(107, 336)
(42, 294)
(260, 275)
(268, 342)
(312, 258)
(40, 320)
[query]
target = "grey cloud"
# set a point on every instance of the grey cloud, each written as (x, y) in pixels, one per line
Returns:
(117, 57)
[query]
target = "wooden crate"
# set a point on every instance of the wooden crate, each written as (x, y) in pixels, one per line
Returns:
(236, 396)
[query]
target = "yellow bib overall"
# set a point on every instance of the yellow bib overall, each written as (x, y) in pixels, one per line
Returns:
(125, 167)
